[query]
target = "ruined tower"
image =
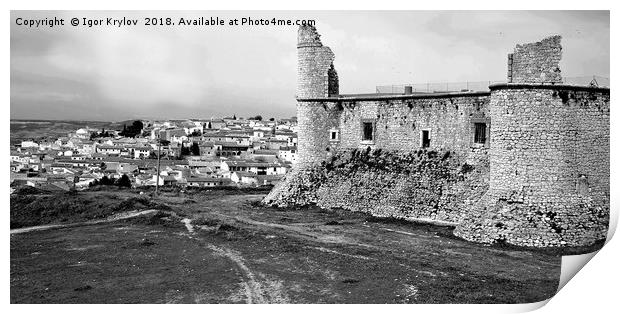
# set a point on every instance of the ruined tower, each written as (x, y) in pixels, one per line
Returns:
(536, 62)
(316, 75)
(316, 79)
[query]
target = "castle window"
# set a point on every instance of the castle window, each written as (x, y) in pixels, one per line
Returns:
(426, 138)
(480, 133)
(368, 131)
(334, 135)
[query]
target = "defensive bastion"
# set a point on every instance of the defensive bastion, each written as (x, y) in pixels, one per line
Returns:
(526, 163)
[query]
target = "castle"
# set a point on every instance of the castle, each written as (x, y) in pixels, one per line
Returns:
(526, 163)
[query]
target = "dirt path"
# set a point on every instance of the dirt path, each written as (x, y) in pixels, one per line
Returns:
(254, 290)
(308, 231)
(228, 249)
(121, 216)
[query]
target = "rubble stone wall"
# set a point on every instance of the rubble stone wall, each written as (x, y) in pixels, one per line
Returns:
(422, 185)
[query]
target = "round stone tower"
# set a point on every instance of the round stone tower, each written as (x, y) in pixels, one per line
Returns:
(317, 81)
(549, 158)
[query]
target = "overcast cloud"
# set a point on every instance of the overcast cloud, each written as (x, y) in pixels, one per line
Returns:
(112, 74)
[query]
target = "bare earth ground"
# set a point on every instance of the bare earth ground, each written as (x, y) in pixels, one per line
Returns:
(225, 248)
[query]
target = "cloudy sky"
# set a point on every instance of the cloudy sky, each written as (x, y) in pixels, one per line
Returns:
(111, 74)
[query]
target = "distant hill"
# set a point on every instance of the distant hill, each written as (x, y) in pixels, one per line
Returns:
(38, 129)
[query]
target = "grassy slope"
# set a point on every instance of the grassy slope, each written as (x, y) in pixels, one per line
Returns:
(67, 207)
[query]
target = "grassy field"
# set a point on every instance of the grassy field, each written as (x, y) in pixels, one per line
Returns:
(221, 246)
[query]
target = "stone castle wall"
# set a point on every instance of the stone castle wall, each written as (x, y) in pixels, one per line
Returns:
(398, 123)
(551, 140)
(420, 187)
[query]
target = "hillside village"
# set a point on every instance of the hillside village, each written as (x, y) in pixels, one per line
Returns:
(193, 153)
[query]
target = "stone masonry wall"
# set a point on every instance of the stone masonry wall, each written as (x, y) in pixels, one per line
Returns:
(536, 62)
(314, 120)
(549, 165)
(399, 122)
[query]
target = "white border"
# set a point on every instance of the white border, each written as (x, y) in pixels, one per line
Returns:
(593, 290)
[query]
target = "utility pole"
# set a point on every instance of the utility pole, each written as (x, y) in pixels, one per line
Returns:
(158, 162)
